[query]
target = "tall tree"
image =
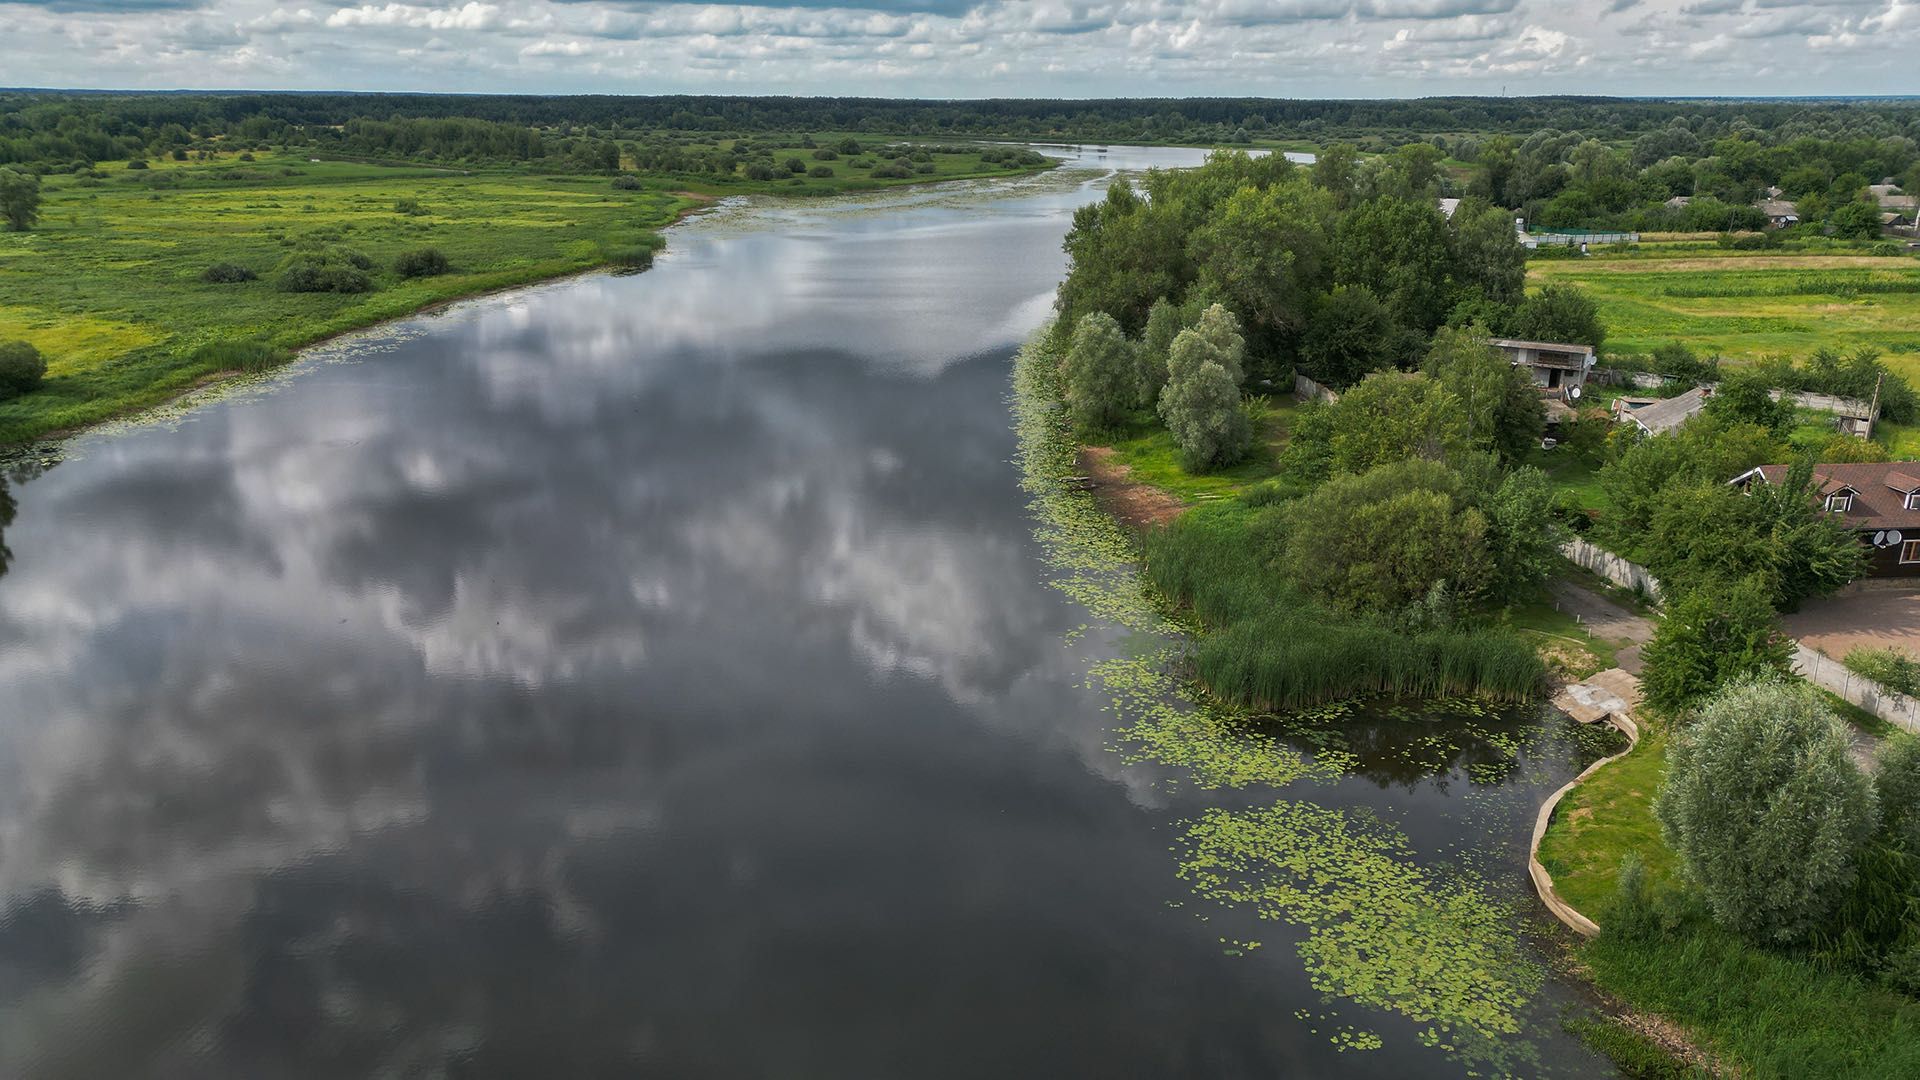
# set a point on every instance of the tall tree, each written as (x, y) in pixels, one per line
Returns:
(1503, 410)
(1099, 373)
(1352, 334)
(19, 199)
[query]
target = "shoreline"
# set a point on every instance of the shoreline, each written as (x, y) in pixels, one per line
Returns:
(53, 438)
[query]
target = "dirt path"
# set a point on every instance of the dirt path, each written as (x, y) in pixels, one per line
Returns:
(1137, 505)
(1605, 619)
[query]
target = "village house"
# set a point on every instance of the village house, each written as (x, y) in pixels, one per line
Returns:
(1879, 501)
(1559, 370)
(1780, 213)
(1679, 202)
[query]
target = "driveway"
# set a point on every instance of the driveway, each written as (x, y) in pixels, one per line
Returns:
(1876, 618)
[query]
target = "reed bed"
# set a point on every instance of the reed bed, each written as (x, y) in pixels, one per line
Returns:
(1270, 647)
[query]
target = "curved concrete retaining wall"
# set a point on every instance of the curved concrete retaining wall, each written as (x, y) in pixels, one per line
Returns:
(1543, 881)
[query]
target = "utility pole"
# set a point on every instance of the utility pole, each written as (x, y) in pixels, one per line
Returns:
(1873, 410)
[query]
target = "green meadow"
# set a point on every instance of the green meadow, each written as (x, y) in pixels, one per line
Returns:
(1743, 305)
(108, 284)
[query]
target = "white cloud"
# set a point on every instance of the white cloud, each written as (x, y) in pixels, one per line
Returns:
(1069, 48)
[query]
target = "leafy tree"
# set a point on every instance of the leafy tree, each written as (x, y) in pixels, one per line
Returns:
(1775, 532)
(1766, 809)
(1099, 373)
(1124, 254)
(1744, 396)
(1388, 417)
(21, 368)
(1264, 251)
(19, 199)
(1164, 323)
(1523, 540)
(1559, 313)
(1336, 169)
(1487, 252)
(1856, 220)
(1712, 636)
(1704, 451)
(1400, 249)
(1201, 404)
(1352, 334)
(1383, 540)
(1218, 328)
(1504, 412)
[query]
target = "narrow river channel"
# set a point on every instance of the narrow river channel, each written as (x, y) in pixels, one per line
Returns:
(668, 675)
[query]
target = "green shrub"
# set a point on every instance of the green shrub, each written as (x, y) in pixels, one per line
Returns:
(820, 172)
(251, 355)
(824, 154)
(227, 273)
(137, 164)
(420, 262)
(409, 207)
(1896, 670)
(626, 182)
(21, 368)
(317, 267)
(1713, 636)
(1766, 809)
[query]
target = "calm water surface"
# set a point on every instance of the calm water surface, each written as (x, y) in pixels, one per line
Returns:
(649, 675)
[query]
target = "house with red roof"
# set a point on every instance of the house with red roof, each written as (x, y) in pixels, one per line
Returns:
(1879, 501)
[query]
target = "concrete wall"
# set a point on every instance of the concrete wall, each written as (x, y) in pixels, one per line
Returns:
(1627, 575)
(1830, 674)
(1307, 390)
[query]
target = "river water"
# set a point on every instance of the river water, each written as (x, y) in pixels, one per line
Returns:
(661, 675)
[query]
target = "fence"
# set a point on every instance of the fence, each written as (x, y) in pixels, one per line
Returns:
(1830, 674)
(1627, 575)
(1307, 390)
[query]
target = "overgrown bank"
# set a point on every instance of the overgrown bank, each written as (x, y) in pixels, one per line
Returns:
(1264, 642)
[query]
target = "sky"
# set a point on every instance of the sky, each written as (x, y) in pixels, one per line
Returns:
(973, 48)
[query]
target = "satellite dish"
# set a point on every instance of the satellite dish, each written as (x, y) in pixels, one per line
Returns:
(1573, 392)
(1894, 537)
(1880, 538)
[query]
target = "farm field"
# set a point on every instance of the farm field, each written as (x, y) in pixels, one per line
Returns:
(108, 284)
(1745, 305)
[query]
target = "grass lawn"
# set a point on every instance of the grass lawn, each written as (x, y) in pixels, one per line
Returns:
(108, 285)
(1152, 457)
(1602, 820)
(1576, 474)
(1767, 1013)
(1745, 305)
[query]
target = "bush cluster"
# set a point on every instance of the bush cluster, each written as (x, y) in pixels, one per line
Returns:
(420, 262)
(226, 273)
(21, 368)
(325, 269)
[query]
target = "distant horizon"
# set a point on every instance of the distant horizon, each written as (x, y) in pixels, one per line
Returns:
(241, 91)
(969, 50)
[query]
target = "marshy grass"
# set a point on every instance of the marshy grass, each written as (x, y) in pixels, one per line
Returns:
(251, 355)
(1270, 647)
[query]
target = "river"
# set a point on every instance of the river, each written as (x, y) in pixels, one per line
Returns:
(661, 675)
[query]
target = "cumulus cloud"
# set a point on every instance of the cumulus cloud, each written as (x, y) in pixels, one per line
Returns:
(971, 48)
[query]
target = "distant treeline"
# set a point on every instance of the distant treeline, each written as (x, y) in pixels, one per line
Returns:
(58, 127)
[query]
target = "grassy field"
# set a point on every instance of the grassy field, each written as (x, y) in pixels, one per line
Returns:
(1744, 305)
(108, 284)
(1152, 457)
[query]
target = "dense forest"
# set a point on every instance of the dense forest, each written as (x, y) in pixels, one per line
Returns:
(62, 127)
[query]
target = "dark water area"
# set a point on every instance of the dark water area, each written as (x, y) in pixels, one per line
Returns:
(649, 675)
